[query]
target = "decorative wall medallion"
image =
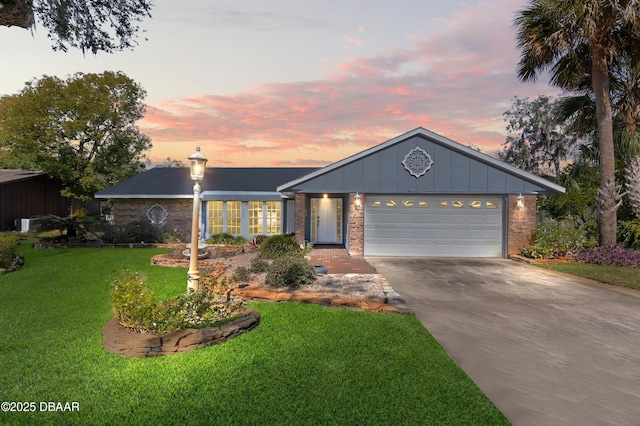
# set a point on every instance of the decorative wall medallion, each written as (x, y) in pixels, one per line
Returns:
(417, 162)
(157, 214)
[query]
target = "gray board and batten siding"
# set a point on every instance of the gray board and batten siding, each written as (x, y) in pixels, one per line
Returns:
(456, 169)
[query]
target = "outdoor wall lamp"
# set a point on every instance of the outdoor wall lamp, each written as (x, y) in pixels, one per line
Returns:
(198, 162)
(358, 200)
(520, 202)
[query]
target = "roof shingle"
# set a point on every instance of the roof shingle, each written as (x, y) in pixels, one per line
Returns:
(176, 182)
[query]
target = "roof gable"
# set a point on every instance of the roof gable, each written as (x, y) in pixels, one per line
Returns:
(454, 169)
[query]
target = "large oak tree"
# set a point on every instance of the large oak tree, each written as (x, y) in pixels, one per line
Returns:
(81, 130)
(537, 141)
(91, 25)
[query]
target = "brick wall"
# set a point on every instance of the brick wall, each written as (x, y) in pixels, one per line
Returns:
(178, 219)
(356, 227)
(521, 223)
(300, 216)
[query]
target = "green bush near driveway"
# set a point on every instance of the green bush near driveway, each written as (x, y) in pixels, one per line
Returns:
(553, 238)
(304, 364)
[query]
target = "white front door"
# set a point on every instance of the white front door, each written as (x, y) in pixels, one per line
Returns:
(326, 223)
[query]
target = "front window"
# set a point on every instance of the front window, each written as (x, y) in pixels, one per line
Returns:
(238, 217)
(214, 213)
(234, 217)
(255, 218)
(273, 217)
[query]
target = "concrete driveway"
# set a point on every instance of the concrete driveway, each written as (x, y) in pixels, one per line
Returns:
(546, 348)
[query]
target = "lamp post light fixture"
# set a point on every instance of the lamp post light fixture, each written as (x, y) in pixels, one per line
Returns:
(198, 162)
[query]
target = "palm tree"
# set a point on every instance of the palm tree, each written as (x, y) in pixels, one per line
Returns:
(578, 111)
(567, 36)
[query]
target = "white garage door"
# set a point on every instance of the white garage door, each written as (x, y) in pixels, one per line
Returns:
(448, 226)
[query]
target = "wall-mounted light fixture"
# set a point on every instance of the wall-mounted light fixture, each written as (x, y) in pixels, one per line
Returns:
(357, 200)
(325, 196)
(520, 202)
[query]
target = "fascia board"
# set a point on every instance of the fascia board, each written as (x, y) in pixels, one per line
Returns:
(142, 196)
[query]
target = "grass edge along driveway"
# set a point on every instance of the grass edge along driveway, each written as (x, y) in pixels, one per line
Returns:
(304, 364)
(614, 275)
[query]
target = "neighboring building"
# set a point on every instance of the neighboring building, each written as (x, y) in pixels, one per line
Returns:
(418, 194)
(25, 194)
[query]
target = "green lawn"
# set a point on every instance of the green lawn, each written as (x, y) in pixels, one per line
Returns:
(626, 277)
(304, 364)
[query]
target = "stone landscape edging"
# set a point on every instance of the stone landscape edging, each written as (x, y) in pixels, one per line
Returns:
(124, 341)
(18, 262)
(292, 295)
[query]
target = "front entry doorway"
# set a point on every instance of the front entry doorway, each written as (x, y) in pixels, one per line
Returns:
(326, 220)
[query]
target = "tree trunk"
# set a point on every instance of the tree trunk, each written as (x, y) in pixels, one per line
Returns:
(15, 13)
(600, 83)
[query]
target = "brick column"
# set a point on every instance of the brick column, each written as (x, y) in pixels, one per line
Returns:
(356, 227)
(521, 223)
(300, 216)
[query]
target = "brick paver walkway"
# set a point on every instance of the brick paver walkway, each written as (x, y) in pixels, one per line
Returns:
(338, 261)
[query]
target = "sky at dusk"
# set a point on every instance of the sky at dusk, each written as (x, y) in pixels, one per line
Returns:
(304, 82)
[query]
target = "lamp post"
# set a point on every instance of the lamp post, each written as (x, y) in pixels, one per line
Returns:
(198, 162)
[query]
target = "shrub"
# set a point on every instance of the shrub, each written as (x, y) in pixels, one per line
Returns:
(611, 255)
(8, 246)
(227, 239)
(242, 274)
(282, 245)
(555, 238)
(133, 303)
(259, 265)
(258, 240)
(195, 309)
(172, 237)
(133, 232)
(134, 306)
(142, 231)
(290, 271)
(629, 233)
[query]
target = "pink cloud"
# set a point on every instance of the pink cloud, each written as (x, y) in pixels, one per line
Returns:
(456, 82)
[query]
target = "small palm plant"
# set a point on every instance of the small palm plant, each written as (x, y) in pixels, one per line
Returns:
(629, 232)
(70, 227)
(632, 176)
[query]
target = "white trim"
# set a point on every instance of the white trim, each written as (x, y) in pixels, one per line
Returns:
(240, 193)
(241, 196)
(143, 196)
(455, 146)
